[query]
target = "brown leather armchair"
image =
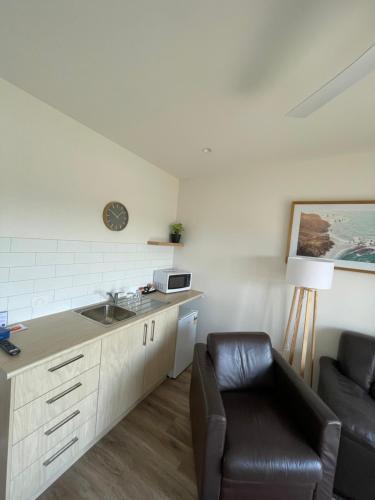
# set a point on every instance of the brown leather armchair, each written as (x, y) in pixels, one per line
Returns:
(348, 387)
(259, 432)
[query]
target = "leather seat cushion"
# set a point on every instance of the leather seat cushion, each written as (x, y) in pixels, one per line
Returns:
(262, 442)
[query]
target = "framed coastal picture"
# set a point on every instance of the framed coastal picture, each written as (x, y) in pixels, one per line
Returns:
(343, 231)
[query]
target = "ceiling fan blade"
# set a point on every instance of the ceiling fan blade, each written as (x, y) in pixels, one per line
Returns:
(352, 74)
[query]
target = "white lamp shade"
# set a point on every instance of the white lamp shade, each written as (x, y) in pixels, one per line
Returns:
(310, 273)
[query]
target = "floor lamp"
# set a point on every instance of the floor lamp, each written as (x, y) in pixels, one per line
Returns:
(308, 276)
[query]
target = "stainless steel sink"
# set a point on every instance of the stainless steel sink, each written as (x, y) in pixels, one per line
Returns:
(106, 314)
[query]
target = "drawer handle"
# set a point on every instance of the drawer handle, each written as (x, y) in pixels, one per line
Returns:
(152, 330)
(60, 452)
(63, 422)
(64, 393)
(64, 363)
(145, 334)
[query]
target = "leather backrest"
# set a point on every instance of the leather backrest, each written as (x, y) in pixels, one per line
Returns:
(241, 360)
(356, 358)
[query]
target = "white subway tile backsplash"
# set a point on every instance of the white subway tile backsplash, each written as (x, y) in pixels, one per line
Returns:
(116, 257)
(31, 272)
(88, 258)
(97, 246)
(42, 276)
(73, 246)
(17, 259)
(4, 274)
(114, 275)
(45, 259)
(53, 283)
(15, 288)
(18, 315)
(3, 303)
(33, 245)
(124, 266)
(140, 256)
(111, 286)
(4, 244)
(86, 279)
(69, 293)
(30, 300)
(88, 300)
(72, 269)
(52, 308)
(102, 267)
(132, 273)
(20, 301)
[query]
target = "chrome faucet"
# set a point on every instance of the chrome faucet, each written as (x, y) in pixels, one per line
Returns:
(114, 296)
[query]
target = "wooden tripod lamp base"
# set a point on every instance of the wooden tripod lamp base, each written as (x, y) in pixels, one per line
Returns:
(308, 275)
(311, 306)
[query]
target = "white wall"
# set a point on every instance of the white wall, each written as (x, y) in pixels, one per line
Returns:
(236, 234)
(56, 177)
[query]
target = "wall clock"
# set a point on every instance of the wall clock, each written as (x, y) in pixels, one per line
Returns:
(115, 216)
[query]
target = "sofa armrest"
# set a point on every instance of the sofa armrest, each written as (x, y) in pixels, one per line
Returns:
(208, 423)
(318, 423)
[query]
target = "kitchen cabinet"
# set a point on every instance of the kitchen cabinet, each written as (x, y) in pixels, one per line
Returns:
(55, 406)
(47, 427)
(161, 341)
(155, 341)
(134, 360)
(121, 374)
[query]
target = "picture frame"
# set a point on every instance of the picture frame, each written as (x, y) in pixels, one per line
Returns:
(343, 231)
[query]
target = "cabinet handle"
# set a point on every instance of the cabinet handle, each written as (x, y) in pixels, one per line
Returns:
(145, 334)
(63, 422)
(64, 393)
(60, 452)
(64, 363)
(152, 330)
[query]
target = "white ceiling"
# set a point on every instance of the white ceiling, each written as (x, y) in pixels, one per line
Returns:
(165, 78)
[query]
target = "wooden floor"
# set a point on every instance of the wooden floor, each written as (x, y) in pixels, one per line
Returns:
(148, 455)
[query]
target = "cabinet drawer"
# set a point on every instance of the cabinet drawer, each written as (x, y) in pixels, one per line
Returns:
(33, 383)
(37, 444)
(51, 405)
(27, 484)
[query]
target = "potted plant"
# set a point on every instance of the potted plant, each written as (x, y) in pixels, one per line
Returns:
(175, 232)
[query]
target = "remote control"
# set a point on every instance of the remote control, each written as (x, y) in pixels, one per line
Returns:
(9, 348)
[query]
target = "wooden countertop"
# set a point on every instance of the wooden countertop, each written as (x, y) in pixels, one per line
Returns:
(50, 336)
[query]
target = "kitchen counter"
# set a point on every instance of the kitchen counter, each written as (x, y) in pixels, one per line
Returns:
(49, 336)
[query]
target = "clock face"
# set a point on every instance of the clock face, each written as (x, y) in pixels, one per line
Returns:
(115, 216)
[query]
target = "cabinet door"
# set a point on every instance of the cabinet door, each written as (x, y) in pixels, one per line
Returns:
(121, 374)
(154, 351)
(160, 347)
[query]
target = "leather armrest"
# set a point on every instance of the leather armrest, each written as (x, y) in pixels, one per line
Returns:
(318, 423)
(208, 422)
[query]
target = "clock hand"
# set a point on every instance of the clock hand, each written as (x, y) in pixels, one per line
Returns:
(112, 212)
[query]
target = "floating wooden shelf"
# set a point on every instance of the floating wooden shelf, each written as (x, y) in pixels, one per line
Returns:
(165, 243)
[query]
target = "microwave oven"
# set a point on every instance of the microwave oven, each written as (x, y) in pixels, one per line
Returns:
(172, 280)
